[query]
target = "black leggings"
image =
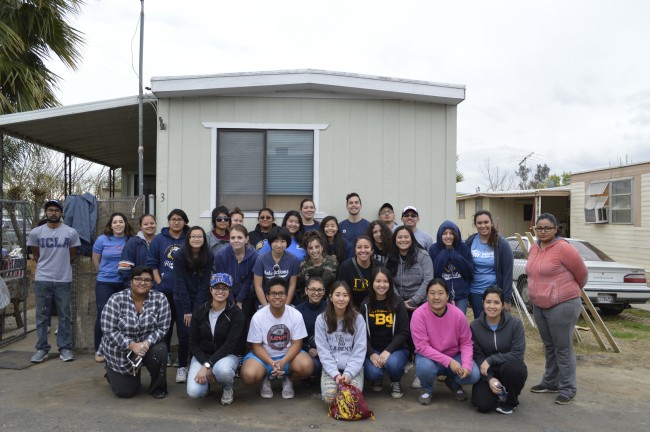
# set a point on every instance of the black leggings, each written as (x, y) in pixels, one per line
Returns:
(512, 376)
(155, 360)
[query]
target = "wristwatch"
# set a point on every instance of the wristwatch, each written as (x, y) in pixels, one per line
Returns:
(207, 365)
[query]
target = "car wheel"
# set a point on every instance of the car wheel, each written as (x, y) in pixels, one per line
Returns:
(611, 310)
(522, 286)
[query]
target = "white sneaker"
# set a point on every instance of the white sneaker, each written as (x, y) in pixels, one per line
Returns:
(227, 395)
(287, 388)
(416, 383)
(265, 389)
(407, 367)
(39, 356)
(181, 375)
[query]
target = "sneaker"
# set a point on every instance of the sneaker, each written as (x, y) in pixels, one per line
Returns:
(455, 388)
(396, 390)
(287, 388)
(99, 358)
(504, 408)
(416, 383)
(170, 361)
(39, 356)
(407, 367)
(159, 394)
(425, 398)
(563, 399)
(541, 389)
(181, 375)
(227, 395)
(266, 391)
(377, 386)
(66, 355)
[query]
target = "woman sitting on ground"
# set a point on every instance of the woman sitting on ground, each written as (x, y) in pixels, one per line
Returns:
(135, 321)
(341, 342)
(387, 321)
(215, 334)
(499, 346)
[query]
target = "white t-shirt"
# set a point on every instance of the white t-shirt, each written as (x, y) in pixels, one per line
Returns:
(214, 316)
(276, 334)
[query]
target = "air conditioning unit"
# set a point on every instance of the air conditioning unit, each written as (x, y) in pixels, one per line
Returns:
(597, 215)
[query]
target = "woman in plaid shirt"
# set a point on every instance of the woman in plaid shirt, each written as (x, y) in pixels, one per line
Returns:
(136, 320)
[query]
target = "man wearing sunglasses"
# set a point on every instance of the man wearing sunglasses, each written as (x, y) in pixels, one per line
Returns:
(275, 335)
(410, 218)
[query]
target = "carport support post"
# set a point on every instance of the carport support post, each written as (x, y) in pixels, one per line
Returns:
(141, 111)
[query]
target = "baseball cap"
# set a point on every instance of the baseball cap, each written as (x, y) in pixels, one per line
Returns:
(51, 203)
(221, 278)
(413, 209)
(386, 205)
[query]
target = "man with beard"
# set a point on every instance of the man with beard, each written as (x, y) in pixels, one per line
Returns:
(354, 225)
(54, 246)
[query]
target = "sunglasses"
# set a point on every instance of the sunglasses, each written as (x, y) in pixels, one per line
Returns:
(265, 218)
(222, 219)
(410, 215)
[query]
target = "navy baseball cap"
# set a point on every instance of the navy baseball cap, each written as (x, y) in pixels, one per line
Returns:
(51, 203)
(221, 278)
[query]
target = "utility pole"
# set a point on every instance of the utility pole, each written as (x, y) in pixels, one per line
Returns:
(141, 110)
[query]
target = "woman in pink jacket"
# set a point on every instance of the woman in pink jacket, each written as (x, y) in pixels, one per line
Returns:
(556, 276)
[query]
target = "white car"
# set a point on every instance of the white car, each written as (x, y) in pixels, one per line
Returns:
(612, 286)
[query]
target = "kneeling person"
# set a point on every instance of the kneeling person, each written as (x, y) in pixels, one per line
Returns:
(215, 331)
(275, 335)
(134, 323)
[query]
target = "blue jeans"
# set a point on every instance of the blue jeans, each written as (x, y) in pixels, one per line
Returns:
(223, 370)
(183, 334)
(476, 300)
(103, 291)
(462, 304)
(61, 292)
(427, 370)
(394, 367)
(318, 367)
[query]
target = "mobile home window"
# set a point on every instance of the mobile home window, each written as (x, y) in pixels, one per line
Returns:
(264, 168)
(461, 210)
(620, 197)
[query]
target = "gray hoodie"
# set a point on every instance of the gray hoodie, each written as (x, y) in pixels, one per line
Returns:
(411, 283)
(339, 351)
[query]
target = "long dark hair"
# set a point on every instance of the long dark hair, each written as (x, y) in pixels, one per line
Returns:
(394, 256)
(391, 298)
(202, 262)
(301, 230)
(493, 239)
(350, 313)
(340, 249)
(128, 230)
(385, 235)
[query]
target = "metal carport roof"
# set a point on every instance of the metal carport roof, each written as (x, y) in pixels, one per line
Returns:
(105, 132)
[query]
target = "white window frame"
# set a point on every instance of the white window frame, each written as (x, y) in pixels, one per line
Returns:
(215, 126)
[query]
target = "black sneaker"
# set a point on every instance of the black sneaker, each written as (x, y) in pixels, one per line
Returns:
(541, 389)
(456, 389)
(504, 408)
(396, 390)
(563, 399)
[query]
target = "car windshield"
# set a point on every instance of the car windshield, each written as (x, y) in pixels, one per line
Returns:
(589, 252)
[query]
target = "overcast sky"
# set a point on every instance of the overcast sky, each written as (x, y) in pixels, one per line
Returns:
(567, 80)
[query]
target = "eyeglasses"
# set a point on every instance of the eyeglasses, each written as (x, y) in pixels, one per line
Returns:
(277, 294)
(544, 229)
(386, 212)
(142, 281)
(196, 237)
(410, 215)
(222, 219)
(176, 220)
(222, 288)
(53, 210)
(265, 218)
(316, 290)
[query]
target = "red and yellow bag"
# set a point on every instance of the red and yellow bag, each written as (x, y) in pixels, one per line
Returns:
(349, 404)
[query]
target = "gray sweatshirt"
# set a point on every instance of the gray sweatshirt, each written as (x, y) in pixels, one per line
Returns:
(411, 283)
(339, 351)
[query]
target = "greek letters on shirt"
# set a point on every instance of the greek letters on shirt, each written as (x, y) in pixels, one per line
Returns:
(278, 337)
(55, 242)
(381, 318)
(360, 286)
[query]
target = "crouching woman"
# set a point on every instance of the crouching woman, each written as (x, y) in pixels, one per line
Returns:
(499, 346)
(341, 341)
(134, 322)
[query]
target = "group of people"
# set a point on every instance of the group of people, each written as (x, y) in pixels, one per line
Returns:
(345, 301)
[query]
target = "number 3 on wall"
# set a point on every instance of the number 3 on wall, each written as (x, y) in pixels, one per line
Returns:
(162, 197)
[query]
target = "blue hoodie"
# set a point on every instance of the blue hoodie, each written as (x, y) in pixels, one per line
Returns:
(191, 288)
(161, 257)
(242, 273)
(460, 276)
(134, 254)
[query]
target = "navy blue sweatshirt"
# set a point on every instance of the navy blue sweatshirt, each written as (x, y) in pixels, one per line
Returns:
(161, 257)
(191, 288)
(241, 272)
(458, 277)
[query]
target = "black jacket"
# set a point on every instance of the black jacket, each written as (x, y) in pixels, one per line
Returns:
(400, 329)
(207, 348)
(506, 343)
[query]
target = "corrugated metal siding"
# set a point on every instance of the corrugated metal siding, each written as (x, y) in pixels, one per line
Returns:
(386, 150)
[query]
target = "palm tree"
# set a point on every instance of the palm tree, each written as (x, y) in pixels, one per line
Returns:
(30, 31)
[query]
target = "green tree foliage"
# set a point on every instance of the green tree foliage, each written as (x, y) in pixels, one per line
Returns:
(31, 32)
(539, 178)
